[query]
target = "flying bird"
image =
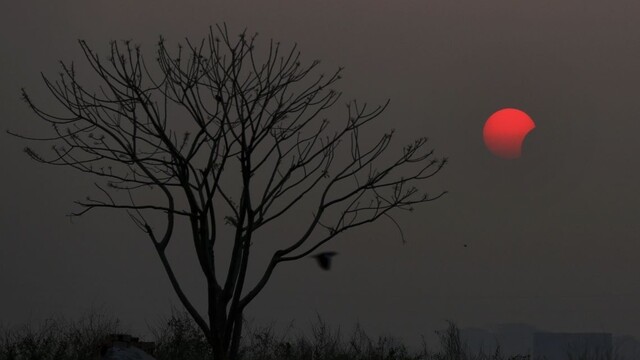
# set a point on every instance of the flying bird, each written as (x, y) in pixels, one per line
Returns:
(324, 259)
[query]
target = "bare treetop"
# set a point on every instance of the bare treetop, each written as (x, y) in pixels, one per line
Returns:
(225, 134)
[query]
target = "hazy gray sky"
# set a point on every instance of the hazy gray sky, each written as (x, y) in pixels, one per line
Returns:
(553, 236)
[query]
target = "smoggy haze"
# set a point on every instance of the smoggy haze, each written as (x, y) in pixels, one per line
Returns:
(552, 237)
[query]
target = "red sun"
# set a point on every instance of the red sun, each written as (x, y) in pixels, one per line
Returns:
(505, 131)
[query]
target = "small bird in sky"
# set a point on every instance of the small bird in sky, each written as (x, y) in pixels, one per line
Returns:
(465, 245)
(324, 259)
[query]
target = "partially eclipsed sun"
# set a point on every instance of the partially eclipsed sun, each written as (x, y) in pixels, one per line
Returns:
(505, 131)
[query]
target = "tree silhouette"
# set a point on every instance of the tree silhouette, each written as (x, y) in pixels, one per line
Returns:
(220, 134)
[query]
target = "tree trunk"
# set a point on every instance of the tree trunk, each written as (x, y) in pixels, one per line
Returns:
(236, 336)
(228, 350)
(219, 353)
(220, 349)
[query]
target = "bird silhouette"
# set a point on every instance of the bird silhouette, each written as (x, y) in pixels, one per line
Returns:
(324, 259)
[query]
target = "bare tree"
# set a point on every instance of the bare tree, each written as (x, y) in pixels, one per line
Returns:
(225, 135)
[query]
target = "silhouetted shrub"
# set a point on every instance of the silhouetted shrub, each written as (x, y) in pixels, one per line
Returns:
(57, 339)
(178, 338)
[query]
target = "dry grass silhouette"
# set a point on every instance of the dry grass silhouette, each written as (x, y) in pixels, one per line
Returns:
(177, 337)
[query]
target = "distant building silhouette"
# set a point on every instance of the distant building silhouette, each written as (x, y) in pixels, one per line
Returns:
(512, 338)
(562, 346)
(527, 340)
(626, 347)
